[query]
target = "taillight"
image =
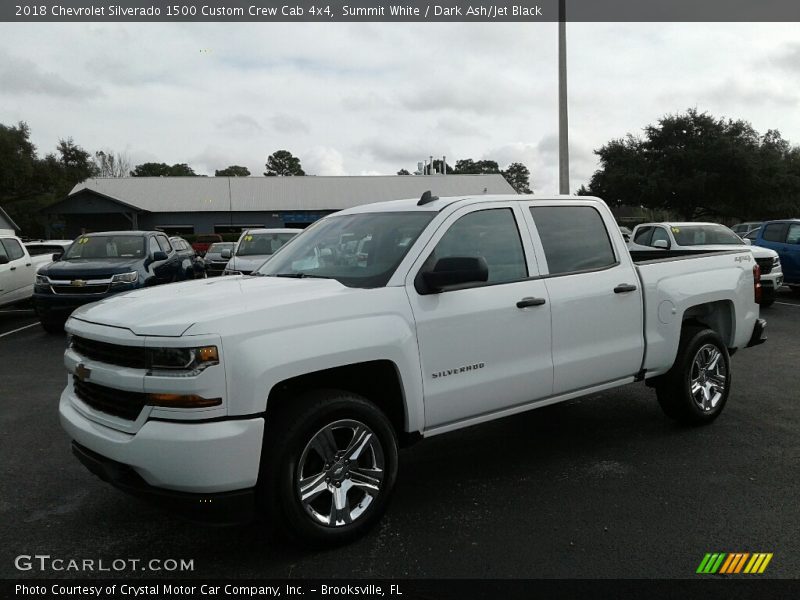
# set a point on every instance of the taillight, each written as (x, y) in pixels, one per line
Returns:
(757, 283)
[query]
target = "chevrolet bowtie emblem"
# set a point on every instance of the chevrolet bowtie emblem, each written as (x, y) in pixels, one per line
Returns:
(78, 283)
(82, 372)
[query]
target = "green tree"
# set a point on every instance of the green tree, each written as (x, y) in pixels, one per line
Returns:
(403, 172)
(698, 166)
(17, 161)
(151, 169)
(283, 163)
(467, 166)
(518, 176)
(233, 171)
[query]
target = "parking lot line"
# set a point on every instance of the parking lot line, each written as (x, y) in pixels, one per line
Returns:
(788, 304)
(18, 329)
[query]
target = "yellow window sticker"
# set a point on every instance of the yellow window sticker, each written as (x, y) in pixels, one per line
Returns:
(676, 230)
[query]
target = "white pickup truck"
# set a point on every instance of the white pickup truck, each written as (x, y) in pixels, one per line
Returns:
(289, 392)
(17, 270)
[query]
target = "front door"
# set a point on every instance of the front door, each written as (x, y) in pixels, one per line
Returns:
(480, 352)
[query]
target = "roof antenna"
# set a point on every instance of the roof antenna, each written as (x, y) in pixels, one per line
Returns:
(426, 198)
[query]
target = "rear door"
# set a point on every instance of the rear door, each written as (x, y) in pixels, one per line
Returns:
(484, 348)
(790, 258)
(594, 292)
(19, 272)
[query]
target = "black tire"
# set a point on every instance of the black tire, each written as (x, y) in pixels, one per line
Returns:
(52, 326)
(795, 289)
(674, 389)
(767, 298)
(288, 455)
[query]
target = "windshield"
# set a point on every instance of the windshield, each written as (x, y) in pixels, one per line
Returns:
(262, 244)
(705, 235)
(219, 247)
(107, 246)
(361, 250)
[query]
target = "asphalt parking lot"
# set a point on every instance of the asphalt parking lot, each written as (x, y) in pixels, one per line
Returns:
(604, 486)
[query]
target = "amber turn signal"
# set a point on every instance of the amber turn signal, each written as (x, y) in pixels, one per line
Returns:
(182, 400)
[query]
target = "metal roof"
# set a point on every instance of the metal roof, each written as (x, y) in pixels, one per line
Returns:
(213, 194)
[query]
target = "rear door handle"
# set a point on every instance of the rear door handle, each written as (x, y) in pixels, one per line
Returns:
(623, 288)
(526, 302)
(13, 269)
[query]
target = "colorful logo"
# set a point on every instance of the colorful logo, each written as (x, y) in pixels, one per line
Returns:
(734, 563)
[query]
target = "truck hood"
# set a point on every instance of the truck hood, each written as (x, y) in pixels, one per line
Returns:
(88, 269)
(248, 263)
(170, 310)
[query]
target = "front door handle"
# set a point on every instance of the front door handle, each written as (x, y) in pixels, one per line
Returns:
(623, 288)
(526, 302)
(13, 269)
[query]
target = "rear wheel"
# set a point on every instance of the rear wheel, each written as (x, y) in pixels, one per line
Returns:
(767, 297)
(328, 468)
(696, 389)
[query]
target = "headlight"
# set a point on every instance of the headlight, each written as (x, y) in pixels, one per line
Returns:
(42, 280)
(131, 277)
(181, 362)
(775, 261)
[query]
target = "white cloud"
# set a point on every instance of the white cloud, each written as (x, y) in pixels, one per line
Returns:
(321, 160)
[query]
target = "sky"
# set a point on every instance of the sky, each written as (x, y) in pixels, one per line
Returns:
(369, 98)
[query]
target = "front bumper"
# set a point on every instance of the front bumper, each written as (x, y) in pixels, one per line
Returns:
(221, 508)
(204, 458)
(759, 333)
(60, 306)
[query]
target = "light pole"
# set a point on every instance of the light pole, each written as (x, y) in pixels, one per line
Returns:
(563, 127)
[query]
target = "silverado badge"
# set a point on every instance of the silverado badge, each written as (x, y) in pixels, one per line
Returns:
(78, 283)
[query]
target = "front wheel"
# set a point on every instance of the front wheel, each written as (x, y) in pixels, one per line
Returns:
(694, 391)
(330, 468)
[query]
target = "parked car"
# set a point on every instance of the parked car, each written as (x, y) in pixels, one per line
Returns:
(203, 241)
(784, 238)
(289, 392)
(17, 270)
(215, 264)
(709, 236)
(626, 233)
(742, 229)
(48, 247)
(255, 246)
(193, 266)
(99, 265)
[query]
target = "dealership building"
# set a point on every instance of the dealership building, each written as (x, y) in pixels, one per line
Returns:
(191, 205)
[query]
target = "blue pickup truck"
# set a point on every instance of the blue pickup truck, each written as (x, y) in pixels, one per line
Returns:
(99, 265)
(784, 237)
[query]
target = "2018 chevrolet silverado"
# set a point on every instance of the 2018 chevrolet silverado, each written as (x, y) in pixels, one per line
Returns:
(289, 392)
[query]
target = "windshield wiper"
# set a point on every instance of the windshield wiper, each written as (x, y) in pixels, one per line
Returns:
(298, 276)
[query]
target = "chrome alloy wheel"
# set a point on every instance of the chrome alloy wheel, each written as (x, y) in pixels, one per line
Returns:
(340, 473)
(708, 377)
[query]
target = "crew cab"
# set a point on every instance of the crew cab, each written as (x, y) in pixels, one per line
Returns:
(17, 270)
(289, 392)
(255, 246)
(783, 237)
(99, 265)
(709, 236)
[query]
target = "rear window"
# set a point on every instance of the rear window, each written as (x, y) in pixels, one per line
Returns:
(774, 232)
(574, 238)
(643, 235)
(794, 234)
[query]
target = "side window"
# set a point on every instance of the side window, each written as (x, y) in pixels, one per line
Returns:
(574, 238)
(774, 232)
(13, 249)
(492, 234)
(659, 233)
(154, 247)
(164, 243)
(643, 235)
(3, 250)
(793, 237)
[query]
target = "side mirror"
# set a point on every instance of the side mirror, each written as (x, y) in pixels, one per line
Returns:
(747, 242)
(226, 253)
(159, 256)
(661, 244)
(3, 260)
(57, 256)
(453, 271)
